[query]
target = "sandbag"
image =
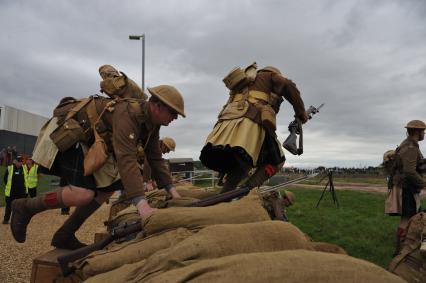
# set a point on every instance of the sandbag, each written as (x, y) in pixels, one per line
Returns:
(283, 266)
(328, 248)
(245, 210)
(126, 253)
(223, 240)
(189, 190)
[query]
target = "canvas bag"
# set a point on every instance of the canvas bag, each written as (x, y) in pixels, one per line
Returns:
(97, 155)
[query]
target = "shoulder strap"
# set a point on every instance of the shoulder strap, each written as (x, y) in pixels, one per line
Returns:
(78, 107)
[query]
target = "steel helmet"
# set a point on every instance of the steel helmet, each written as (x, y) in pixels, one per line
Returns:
(169, 143)
(416, 124)
(170, 96)
(290, 197)
(271, 69)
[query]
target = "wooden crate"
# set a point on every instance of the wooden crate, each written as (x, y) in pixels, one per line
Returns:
(46, 267)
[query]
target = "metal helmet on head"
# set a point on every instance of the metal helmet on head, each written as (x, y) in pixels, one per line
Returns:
(271, 69)
(169, 143)
(290, 197)
(416, 124)
(170, 96)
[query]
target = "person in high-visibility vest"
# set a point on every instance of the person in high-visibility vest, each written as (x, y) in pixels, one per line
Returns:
(31, 177)
(15, 188)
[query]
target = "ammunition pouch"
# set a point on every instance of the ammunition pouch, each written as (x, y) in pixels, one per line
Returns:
(67, 134)
(238, 78)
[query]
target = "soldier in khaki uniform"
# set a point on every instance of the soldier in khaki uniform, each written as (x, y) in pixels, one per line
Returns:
(123, 125)
(244, 136)
(406, 176)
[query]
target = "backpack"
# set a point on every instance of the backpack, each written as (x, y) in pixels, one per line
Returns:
(237, 78)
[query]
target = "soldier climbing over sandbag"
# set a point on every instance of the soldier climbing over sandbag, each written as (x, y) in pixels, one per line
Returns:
(92, 145)
(244, 136)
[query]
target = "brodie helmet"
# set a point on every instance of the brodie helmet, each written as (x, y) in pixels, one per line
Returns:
(170, 96)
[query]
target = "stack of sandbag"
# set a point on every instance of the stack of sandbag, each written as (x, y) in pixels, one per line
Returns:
(133, 251)
(245, 210)
(229, 242)
(213, 242)
(410, 264)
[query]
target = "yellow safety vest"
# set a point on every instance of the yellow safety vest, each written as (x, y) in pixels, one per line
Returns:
(8, 186)
(9, 181)
(31, 177)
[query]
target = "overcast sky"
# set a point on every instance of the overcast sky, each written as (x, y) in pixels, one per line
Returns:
(366, 60)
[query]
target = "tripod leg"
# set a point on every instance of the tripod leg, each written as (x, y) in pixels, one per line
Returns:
(322, 195)
(333, 193)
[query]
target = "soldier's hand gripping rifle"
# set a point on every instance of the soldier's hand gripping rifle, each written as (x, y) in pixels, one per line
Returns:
(296, 129)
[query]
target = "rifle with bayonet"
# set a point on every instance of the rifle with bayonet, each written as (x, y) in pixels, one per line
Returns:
(296, 129)
(135, 227)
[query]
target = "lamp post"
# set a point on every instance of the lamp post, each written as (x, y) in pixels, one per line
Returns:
(141, 37)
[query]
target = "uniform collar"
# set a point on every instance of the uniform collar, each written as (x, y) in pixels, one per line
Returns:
(146, 110)
(412, 141)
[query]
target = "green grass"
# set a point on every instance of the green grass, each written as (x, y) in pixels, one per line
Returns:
(359, 225)
(43, 186)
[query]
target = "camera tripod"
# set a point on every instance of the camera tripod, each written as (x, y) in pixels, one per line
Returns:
(330, 186)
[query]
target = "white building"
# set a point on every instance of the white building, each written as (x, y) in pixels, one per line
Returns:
(19, 128)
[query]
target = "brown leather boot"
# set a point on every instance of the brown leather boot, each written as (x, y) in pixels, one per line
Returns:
(25, 208)
(65, 238)
(262, 174)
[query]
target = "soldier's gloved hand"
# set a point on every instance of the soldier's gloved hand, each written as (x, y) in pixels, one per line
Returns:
(174, 192)
(144, 209)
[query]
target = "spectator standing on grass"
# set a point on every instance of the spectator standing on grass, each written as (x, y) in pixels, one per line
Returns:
(14, 179)
(31, 177)
(407, 177)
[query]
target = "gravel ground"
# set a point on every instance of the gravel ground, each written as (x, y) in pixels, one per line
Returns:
(16, 259)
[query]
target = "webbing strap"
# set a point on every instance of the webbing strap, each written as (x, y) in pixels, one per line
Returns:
(252, 96)
(77, 108)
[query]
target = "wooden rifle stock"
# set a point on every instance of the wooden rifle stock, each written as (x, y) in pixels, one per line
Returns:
(116, 233)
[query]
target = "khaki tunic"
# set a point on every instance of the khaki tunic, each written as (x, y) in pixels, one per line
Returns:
(236, 130)
(131, 123)
(406, 174)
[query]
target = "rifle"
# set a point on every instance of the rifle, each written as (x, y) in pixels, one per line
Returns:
(134, 227)
(296, 129)
(116, 233)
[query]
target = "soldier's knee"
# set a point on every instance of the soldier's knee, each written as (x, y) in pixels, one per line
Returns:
(84, 197)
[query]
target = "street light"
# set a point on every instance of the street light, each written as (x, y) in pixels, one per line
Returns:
(141, 37)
